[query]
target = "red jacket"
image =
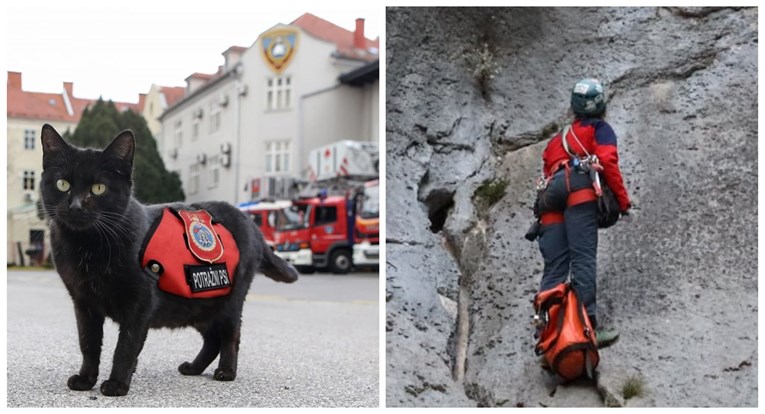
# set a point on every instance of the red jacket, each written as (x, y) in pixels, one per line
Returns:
(598, 138)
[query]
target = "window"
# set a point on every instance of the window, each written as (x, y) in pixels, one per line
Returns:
(214, 117)
(195, 128)
(178, 134)
(369, 204)
(29, 180)
(277, 157)
(325, 215)
(287, 89)
(29, 139)
(214, 171)
(194, 179)
(293, 217)
(279, 93)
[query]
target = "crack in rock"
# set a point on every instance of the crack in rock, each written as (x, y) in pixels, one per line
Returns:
(416, 391)
(439, 203)
(478, 393)
(503, 145)
(637, 77)
(446, 148)
(697, 12)
(405, 242)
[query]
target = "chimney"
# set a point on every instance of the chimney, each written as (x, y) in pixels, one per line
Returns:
(141, 101)
(68, 87)
(14, 81)
(359, 42)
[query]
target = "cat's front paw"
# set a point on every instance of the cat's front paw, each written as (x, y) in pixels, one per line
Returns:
(79, 382)
(114, 388)
(222, 374)
(187, 368)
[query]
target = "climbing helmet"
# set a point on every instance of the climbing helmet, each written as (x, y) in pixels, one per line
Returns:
(588, 98)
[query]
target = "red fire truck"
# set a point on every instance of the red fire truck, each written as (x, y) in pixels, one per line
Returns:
(331, 232)
(339, 228)
(263, 213)
(366, 241)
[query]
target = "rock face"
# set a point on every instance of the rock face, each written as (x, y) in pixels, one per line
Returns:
(679, 279)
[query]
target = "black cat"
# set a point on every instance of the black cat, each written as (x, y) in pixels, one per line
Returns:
(97, 229)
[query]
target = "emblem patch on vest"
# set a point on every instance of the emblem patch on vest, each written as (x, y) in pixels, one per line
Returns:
(200, 235)
(207, 277)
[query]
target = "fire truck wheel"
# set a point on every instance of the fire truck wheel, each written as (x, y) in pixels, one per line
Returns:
(340, 261)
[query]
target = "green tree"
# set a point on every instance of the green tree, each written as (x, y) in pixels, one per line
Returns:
(98, 126)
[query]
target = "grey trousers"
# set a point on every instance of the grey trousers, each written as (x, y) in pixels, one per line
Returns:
(571, 246)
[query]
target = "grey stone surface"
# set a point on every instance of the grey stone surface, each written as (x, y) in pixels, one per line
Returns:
(678, 279)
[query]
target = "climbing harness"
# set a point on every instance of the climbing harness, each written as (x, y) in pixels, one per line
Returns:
(608, 206)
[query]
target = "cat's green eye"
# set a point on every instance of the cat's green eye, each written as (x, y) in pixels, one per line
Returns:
(62, 185)
(98, 189)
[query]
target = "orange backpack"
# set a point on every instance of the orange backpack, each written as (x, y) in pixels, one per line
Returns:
(566, 337)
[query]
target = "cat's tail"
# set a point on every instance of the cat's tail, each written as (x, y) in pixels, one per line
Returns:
(276, 268)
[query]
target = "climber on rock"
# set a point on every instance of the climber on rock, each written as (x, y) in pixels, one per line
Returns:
(568, 236)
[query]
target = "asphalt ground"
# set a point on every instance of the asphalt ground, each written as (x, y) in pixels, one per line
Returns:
(310, 344)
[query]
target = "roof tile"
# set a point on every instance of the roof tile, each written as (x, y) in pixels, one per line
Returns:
(342, 38)
(49, 106)
(172, 94)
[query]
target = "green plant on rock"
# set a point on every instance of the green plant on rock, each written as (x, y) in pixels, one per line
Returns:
(491, 191)
(483, 61)
(633, 387)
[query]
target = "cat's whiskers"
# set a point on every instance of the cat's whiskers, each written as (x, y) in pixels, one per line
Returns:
(117, 220)
(116, 226)
(79, 265)
(105, 231)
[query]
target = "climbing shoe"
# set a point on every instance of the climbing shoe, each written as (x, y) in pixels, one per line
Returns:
(606, 337)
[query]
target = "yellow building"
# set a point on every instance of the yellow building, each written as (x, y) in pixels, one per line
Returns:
(27, 113)
(156, 102)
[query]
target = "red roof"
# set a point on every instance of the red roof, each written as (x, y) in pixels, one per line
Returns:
(237, 49)
(141, 101)
(172, 94)
(37, 105)
(342, 38)
(49, 106)
(203, 76)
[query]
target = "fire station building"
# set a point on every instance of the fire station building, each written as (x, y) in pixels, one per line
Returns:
(245, 132)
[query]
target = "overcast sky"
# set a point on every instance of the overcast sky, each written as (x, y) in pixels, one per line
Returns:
(117, 49)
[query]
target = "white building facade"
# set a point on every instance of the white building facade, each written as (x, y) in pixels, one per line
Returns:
(244, 133)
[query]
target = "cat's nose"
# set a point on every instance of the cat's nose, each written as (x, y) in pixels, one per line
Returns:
(75, 205)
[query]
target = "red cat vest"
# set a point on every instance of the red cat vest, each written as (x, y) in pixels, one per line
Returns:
(193, 256)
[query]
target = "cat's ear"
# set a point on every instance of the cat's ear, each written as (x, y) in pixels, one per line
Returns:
(52, 141)
(123, 147)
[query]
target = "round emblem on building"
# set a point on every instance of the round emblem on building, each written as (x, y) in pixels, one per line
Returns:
(279, 46)
(279, 49)
(202, 236)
